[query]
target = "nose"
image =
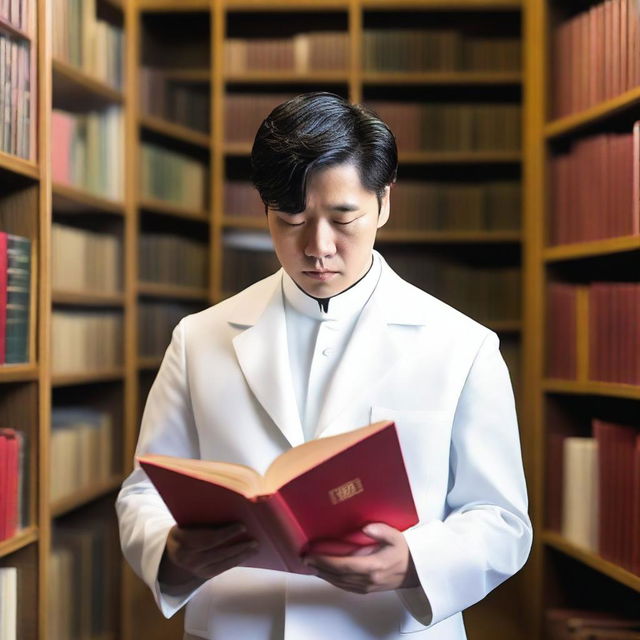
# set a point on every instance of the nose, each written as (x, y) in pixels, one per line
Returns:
(319, 241)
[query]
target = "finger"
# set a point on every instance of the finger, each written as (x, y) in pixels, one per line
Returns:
(216, 568)
(201, 539)
(346, 585)
(341, 565)
(222, 554)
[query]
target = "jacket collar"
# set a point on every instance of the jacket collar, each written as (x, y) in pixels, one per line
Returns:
(263, 354)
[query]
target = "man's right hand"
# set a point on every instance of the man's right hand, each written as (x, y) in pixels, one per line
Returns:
(195, 555)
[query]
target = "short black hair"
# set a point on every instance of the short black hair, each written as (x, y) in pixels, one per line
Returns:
(318, 130)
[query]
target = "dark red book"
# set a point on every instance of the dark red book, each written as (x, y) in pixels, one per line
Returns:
(11, 454)
(318, 494)
(635, 510)
(3, 295)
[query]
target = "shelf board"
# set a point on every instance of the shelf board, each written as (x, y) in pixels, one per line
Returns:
(418, 157)
(149, 363)
(460, 157)
(245, 222)
(75, 86)
(12, 163)
(86, 377)
(84, 496)
(169, 209)
(297, 5)
(69, 199)
(593, 248)
(172, 5)
(611, 389)
(419, 236)
(176, 131)
(442, 77)
(172, 292)
(288, 77)
(18, 372)
(591, 559)
(87, 298)
(20, 540)
(570, 124)
(11, 29)
(445, 5)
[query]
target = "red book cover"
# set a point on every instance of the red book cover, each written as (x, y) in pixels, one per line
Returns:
(624, 45)
(635, 510)
(635, 337)
(322, 492)
(615, 48)
(4, 495)
(3, 295)
(12, 457)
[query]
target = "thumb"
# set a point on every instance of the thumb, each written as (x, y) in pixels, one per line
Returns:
(381, 532)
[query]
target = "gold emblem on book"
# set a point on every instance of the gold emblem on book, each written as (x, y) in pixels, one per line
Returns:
(346, 491)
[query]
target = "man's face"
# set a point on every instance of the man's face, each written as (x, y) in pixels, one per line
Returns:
(327, 247)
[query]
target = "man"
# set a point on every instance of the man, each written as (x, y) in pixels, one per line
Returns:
(333, 341)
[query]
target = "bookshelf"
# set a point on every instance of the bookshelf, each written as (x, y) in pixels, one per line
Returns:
(562, 117)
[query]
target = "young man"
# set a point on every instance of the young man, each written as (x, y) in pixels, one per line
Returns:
(333, 341)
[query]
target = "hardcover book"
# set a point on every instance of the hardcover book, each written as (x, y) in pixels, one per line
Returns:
(316, 496)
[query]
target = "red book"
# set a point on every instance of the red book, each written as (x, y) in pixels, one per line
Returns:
(322, 492)
(3, 295)
(11, 470)
(635, 510)
(635, 212)
(4, 495)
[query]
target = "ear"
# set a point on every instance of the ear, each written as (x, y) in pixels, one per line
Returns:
(383, 216)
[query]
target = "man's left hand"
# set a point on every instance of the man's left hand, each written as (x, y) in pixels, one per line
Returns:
(384, 566)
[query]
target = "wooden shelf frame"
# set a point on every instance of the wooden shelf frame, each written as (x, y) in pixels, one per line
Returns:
(75, 80)
(23, 538)
(84, 496)
(175, 131)
(592, 249)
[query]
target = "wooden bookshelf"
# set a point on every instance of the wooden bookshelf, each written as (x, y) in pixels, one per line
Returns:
(171, 292)
(81, 498)
(562, 573)
(86, 377)
(69, 199)
(284, 77)
(18, 372)
(13, 30)
(463, 78)
(174, 210)
(19, 166)
(79, 89)
(21, 539)
(87, 298)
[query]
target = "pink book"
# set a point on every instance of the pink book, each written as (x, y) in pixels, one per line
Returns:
(62, 131)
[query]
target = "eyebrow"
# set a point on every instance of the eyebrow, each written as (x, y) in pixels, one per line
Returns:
(344, 208)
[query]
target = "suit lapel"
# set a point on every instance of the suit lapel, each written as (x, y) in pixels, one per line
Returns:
(263, 355)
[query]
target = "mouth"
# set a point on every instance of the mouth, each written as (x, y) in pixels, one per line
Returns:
(320, 275)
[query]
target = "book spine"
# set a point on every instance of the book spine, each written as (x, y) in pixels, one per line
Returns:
(284, 531)
(18, 281)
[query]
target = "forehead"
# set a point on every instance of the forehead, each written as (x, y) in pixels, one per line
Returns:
(343, 179)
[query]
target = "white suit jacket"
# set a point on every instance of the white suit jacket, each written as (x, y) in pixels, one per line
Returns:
(224, 392)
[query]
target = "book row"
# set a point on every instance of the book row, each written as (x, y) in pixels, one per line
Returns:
(304, 52)
(455, 206)
(613, 331)
(598, 507)
(15, 13)
(182, 103)
(183, 261)
(83, 341)
(416, 126)
(81, 450)
(15, 96)
(438, 50)
(596, 188)
(86, 42)
(84, 260)
(172, 177)
(595, 56)
(15, 294)
(583, 624)
(87, 151)
(451, 126)
(83, 576)
(156, 321)
(486, 293)
(419, 205)
(14, 502)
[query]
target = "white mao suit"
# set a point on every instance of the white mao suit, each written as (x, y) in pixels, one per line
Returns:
(225, 392)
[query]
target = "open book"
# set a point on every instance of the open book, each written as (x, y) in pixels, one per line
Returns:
(321, 492)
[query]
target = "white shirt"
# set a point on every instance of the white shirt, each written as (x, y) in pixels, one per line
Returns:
(317, 339)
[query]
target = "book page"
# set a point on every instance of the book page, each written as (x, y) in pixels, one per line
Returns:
(237, 477)
(306, 456)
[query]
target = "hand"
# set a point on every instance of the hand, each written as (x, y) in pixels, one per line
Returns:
(384, 566)
(195, 555)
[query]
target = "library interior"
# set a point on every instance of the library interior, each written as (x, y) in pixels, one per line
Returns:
(126, 197)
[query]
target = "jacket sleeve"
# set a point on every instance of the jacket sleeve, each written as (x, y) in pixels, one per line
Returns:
(486, 535)
(168, 427)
